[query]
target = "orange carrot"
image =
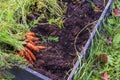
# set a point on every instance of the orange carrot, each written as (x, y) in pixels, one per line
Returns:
(30, 34)
(30, 53)
(41, 47)
(36, 42)
(31, 61)
(29, 45)
(21, 53)
(31, 42)
(29, 58)
(31, 38)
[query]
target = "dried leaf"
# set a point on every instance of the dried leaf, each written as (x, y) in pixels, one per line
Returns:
(96, 9)
(104, 58)
(116, 12)
(105, 76)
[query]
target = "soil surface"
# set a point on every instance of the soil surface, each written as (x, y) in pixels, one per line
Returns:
(59, 57)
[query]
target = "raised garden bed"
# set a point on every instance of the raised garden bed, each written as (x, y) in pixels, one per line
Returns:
(63, 45)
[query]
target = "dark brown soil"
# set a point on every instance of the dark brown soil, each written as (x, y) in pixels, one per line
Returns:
(59, 57)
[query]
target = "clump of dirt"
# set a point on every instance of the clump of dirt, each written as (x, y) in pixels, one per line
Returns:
(59, 57)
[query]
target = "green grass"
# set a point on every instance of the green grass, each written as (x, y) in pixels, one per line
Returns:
(91, 69)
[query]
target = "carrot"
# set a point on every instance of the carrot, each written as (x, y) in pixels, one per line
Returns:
(41, 47)
(31, 42)
(36, 42)
(29, 58)
(21, 53)
(29, 45)
(31, 38)
(30, 53)
(30, 34)
(31, 61)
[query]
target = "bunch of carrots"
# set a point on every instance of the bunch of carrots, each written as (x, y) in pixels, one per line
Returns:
(30, 46)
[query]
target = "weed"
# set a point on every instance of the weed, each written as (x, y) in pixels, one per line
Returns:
(57, 21)
(52, 11)
(49, 39)
(36, 21)
(4, 75)
(55, 39)
(96, 9)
